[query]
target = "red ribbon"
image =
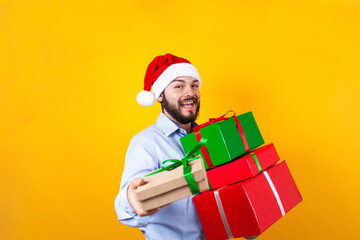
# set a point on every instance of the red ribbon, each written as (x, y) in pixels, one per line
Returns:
(242, 134)
(214, 120)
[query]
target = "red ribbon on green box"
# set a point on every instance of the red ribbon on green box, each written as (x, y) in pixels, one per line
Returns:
(185, 162)
(204, 151)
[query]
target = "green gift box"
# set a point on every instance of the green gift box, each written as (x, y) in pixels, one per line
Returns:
(228, 138)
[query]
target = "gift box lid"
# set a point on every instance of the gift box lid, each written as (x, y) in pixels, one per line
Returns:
(227, 139)
(244, 167)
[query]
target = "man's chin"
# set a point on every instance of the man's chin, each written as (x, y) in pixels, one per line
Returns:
(188, 114)
(188, 111)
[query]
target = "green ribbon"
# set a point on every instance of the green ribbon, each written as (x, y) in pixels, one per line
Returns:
(257, 162)
(185, 162)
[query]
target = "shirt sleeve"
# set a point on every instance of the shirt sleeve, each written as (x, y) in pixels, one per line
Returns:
(140, 159)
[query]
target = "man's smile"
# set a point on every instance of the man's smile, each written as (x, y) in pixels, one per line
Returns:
(189, 104)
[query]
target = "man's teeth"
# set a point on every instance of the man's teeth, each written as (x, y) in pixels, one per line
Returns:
(187, 103)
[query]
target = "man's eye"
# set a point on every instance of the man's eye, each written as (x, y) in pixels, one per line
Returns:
(195, 86)
(178, 86)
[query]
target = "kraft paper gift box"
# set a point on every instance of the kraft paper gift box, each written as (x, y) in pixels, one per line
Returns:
(166, 187)
(228, 138)
(244, 167)
(249, 207)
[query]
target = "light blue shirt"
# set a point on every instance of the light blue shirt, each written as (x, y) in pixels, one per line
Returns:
(147, 150)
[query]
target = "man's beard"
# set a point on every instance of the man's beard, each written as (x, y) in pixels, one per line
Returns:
(175, 112)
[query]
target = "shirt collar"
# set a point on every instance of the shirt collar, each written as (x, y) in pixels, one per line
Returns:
(167, 125)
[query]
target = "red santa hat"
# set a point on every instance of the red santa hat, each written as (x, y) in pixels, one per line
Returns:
(160, 73)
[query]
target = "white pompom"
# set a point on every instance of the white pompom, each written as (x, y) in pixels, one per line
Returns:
(145, 98)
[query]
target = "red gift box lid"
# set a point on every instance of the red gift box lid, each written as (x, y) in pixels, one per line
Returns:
(244, 167)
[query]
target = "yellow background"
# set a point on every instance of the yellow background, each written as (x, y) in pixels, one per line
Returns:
(70, 72)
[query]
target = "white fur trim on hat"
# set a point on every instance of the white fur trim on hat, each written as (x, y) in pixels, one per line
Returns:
(172, 72)
(145, 98)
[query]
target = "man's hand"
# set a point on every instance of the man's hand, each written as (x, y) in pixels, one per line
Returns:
(134, 202)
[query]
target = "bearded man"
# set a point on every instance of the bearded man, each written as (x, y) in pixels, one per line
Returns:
(175, 83)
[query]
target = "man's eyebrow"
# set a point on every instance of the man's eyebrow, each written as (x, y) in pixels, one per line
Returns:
(180, 80)
(177, 80)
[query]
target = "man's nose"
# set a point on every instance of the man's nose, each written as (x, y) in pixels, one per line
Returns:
(190, 91)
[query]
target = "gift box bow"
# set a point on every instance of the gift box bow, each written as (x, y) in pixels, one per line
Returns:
(185, 162)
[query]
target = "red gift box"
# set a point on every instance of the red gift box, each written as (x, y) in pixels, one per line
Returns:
(243, 168)
(249, 207)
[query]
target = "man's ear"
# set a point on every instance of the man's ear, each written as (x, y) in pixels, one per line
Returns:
(160, 98)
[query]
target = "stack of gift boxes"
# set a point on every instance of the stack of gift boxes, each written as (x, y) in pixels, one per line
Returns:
(244, 188)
